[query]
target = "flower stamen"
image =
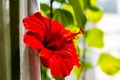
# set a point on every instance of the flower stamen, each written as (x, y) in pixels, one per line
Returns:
(73, 35)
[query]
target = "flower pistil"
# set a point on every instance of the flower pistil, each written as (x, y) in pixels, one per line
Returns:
(73, 35)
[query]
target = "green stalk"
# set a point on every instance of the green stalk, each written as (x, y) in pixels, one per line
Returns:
(51, 8)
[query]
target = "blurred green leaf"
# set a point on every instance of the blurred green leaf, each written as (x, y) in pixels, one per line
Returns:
(94, 14)
(78, 71)
(69, 8)
(77, 47)
(44, 75)
(94, 38)
(82, 4)
(109, 64)
(93, 2)
(72, 28)
(59, 78)
(79, 15)
(65, 17)
(44, 7)
(60, 1)
(85, 3)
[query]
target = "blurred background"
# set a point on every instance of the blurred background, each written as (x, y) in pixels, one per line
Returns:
(98, 49)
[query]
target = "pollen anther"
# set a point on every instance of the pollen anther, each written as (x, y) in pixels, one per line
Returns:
(73, 35)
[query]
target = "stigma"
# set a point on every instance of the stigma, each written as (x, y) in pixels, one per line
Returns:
(73, 35)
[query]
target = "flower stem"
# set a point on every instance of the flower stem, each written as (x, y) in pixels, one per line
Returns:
(51, 8)
(84, 58)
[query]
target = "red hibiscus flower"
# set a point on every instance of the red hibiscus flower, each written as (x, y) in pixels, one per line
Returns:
(57, 50)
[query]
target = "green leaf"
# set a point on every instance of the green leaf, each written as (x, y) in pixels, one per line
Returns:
(94, 14)
(79, 15)
(94, 37)
(69, 8)
(73, 28)
(93, 2)
(109, 64)
(44, 75)
(65, 17)
(44, 7)
(85, 3)
(78, 71)
(59, 78)
(60, 1)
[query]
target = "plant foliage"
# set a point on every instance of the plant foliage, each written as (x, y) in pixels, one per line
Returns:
(75, 14)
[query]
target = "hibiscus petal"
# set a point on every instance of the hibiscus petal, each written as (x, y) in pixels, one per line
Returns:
(57, 32)
(37, 23)
(63, 60)
(56, 29)
(55, 67)
(45, 56)
(60, 67)
(31, 40)
(31, 25)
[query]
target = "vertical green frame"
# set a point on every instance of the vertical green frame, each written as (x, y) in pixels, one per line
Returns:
(14, 32)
